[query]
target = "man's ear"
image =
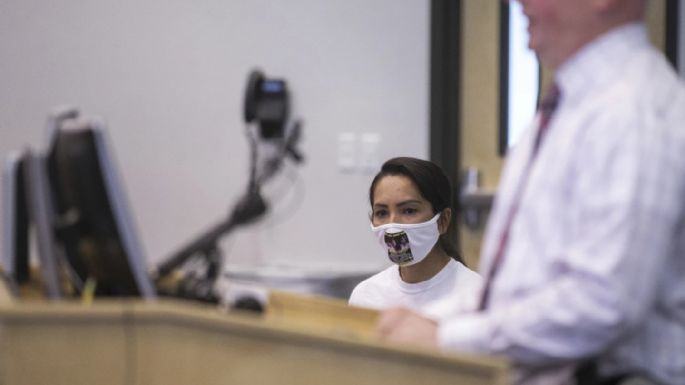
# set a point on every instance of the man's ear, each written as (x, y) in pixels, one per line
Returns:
(444, 220)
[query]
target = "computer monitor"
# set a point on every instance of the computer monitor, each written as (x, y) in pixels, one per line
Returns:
(15, 260)
(92, 222)
(27, 205)
(41, 217)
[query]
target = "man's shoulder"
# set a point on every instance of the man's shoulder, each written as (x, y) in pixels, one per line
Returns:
(650, 79)
(645, 96)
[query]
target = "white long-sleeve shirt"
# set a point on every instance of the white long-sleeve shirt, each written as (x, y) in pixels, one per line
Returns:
(595, 263)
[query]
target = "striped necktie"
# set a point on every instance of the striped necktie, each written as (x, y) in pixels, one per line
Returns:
(546, 109)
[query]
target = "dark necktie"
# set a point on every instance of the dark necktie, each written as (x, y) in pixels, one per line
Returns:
(545, 110)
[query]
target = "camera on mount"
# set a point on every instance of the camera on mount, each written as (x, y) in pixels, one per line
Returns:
(267, 106)
(267, 101)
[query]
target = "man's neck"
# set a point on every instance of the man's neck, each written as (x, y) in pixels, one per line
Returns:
(589, 35)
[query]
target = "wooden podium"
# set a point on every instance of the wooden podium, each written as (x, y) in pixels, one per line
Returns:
(299, 340)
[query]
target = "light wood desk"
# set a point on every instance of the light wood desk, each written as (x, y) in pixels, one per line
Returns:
(173, 342)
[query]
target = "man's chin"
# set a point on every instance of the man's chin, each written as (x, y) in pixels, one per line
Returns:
(535, 48)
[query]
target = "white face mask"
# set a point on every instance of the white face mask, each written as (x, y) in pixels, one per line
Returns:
(408, 244)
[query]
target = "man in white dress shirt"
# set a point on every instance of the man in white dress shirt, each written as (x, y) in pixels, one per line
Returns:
(587, 235)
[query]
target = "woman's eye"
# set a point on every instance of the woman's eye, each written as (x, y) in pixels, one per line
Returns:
(380, 214)
(409, 211)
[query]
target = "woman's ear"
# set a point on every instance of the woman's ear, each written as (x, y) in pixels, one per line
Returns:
(444, 220)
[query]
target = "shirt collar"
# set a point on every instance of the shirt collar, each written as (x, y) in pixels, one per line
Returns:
(445, 273)
(595, 64)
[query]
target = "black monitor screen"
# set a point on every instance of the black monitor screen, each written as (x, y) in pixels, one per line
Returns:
(92, 218)
(15, 219)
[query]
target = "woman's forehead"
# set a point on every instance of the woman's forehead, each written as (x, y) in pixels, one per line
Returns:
(394, 188)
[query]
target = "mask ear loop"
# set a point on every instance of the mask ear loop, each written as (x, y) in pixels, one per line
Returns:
(444, 216)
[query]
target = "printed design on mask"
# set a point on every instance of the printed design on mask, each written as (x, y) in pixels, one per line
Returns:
(398, 247)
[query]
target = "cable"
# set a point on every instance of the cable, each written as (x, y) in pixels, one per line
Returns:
(297, 189)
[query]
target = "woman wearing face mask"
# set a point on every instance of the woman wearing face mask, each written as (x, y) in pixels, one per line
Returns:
(410, 213)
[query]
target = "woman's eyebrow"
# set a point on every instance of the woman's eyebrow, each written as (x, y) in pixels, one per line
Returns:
(409, 202)
(400, 204)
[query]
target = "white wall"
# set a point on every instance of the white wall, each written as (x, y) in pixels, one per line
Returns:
(168, 76)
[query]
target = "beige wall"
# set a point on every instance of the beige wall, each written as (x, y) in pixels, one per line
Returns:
(479, 103)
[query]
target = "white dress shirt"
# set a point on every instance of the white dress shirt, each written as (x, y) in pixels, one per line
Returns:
(595, 262)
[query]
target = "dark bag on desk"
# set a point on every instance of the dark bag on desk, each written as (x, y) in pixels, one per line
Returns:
(587, 374)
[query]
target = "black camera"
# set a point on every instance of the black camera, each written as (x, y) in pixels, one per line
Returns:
(267, 102)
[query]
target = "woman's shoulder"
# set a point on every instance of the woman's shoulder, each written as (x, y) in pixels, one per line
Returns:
(382, 279)
(465, 274)
(370, 289)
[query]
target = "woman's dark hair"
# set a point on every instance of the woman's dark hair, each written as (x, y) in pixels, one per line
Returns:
(432, 184)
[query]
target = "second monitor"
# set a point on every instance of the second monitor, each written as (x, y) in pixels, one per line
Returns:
(93, 222)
